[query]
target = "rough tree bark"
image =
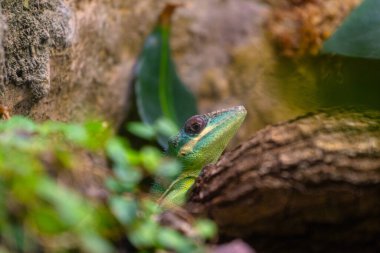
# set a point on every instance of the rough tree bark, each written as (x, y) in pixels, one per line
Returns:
(310, 184)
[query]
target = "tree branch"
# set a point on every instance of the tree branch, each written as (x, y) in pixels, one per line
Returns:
(316, 178)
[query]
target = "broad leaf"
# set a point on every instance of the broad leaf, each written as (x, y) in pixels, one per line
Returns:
(359, 35)
(160, 92)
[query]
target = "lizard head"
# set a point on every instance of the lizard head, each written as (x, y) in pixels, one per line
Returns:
(204, 137)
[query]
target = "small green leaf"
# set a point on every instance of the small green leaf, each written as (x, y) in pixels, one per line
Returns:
(71, 208)
(145, 234)
(114, 185)
(150, 207)
(127, 175)
(171, 239)
(97, 134)
(76, 133)
(18, 123)
(116, 150)
(124, 209)
(96, 244)
(129, 178)
(169, 169)
(47, 221)
(166, 127)
(141, 130)
(205, 228)
(151, 158)
(359, 35)
(159, 90)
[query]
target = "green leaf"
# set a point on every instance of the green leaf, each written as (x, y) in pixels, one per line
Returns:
(47, 221)
(206, 228)
(359, 35)
(18, 123)
(169, 168)
(150, 207)
(159, 90)
(141, 130)
(145, 234)
(76, 133)
(96, 244)
(125, 209)
(166, 127)
(116, 150)
(171, 239)
(71, 207)
(98, 134)
(114, 185)
(151, 158)
(129, 177)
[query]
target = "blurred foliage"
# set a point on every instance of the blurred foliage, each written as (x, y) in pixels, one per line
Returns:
(329, 81)
(35, 210)
(38, 212)
(352, 77)
(346, 74)
(345, 81)
(162, 126)
(159, 90)
(359, 34)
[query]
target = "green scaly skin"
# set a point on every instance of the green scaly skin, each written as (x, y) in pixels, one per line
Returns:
(195, 150)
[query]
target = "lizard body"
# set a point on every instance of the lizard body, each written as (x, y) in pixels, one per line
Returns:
(201, 141)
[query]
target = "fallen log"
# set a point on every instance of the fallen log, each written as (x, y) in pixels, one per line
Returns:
(309, 184)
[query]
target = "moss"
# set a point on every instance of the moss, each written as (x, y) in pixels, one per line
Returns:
(33, 32)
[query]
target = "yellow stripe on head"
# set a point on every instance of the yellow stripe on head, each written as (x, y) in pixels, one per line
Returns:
(188, 147)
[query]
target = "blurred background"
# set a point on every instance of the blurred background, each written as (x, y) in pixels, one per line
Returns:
(263, 54)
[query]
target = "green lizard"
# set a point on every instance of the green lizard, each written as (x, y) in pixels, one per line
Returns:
(201, 141)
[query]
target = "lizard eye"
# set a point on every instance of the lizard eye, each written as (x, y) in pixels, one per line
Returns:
(195, 124)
